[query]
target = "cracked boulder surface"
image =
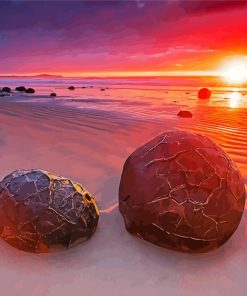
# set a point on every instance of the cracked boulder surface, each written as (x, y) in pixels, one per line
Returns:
(181, 191)
(41, 212)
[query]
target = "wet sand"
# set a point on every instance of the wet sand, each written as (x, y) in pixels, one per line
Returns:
(90, 147)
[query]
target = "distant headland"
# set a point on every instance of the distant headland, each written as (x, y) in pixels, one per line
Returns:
(32, 76)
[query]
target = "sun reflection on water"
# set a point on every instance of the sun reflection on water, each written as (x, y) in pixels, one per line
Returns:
(235, 98)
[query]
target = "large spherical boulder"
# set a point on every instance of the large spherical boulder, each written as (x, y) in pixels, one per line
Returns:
(204, 94)
(181, 191)
(43, 212)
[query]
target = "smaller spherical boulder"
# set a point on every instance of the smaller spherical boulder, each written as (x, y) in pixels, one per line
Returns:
(204, 94)
(71, 87)
(53, 95)
(6, 89)
(184, 114)
(21, 88)
(30, 91)
(181, 191)
(42, 212)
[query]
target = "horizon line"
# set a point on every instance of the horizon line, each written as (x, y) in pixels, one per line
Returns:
(118, 74)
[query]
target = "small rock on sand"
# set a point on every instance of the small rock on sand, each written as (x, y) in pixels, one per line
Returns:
(30, 91)
(6, 89)
(20, 88)
(185, 114)
(204, 93)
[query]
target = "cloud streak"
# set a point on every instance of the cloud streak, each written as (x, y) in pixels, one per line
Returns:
(119, 35)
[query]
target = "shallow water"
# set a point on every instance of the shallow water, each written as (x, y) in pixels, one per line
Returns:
(223, 117)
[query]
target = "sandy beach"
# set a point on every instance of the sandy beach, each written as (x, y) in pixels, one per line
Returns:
(83, 84)
(90, 147)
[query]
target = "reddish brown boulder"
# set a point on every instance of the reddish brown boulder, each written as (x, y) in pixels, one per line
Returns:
(204, 93)
(181, 191)
(41, 212)
(184, 114)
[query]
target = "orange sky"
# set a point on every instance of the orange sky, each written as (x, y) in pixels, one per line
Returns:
(121, 38)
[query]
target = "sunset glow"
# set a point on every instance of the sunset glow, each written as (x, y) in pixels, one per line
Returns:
(123, 38)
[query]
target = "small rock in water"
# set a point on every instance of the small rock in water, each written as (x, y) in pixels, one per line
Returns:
(83, 87)
(20, 88)
(30, 91)
(6, 89)
(53, 95)
(204, 93)
(42, 212)
(185, 114)
(181, 191)
(102, 89)
(71, 87)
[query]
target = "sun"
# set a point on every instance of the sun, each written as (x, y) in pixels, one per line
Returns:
(235, 72)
